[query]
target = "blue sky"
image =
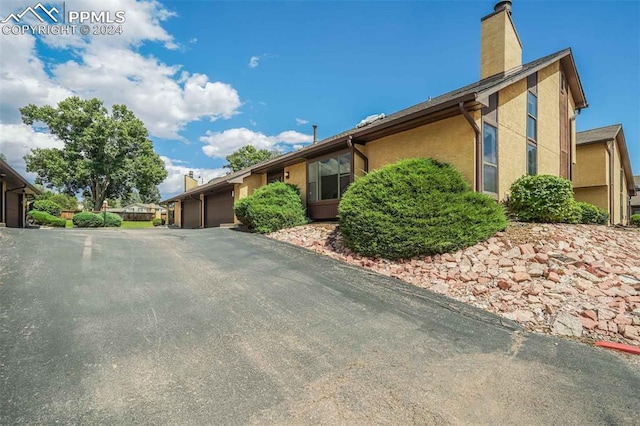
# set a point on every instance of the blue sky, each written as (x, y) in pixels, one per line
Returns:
(207, 77)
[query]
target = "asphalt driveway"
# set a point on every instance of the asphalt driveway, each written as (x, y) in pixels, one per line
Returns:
(220, 327)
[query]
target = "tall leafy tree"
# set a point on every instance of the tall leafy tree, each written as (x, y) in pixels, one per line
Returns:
(106, 154)
(66, 201)
(247, 156)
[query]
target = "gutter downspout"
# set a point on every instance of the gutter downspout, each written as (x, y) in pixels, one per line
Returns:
(611, 186)
(359, 154)
(477, 145)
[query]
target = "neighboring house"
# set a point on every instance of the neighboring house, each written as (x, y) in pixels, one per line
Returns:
(15, 191)
(518, 119)
(634, 203)
(157, 210)
(603, 171)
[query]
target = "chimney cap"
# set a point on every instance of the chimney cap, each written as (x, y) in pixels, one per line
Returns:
(506, 5)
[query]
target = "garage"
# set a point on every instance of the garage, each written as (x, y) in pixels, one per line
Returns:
(191, 213)
(218, 208)
(15, 191)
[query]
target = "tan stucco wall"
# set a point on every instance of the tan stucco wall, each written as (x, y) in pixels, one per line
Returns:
(358, 166)
(298, 176)
(499, 46)
(450, 140)
(619, 187)
(512, 128)
(177, 214)
(592, 165)
(596, 195)
(512, 135)
(246, 188)
(202, 210)
(189, 183)
(549, 120)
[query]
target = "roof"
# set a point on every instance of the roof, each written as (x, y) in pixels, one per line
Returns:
(600, 134)
(477, 93)
(636, 181)
(613, 132)
(11, 175)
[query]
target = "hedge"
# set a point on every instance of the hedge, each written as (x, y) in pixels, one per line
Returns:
(113, 220)
(544, 198)
(157, 221)
(44, 218)
(272, 207)
(591, 214)
(47, 206)
(87, 220)
(415, 207)
(635, 220)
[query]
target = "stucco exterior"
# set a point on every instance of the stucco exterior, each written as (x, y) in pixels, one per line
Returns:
(512, 136)
(499, 46)
(298, 176)
(596, 195)
(593, 183)
(548, 120)
(246, 188)
(450, 140)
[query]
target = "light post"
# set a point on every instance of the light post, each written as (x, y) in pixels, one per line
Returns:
(104, 213)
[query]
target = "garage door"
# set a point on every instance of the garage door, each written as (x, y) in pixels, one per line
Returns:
(219, 209)
(14, 210)
(191, 214)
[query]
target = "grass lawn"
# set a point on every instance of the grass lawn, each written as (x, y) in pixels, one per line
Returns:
(125, 224)
(137, 224)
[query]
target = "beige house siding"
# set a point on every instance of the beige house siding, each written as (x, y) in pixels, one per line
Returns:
(298, 176)
(450, 140)
(177, 213)
(549, 120)
(592, 166)
(596, 195)
(512, 135)
(500, 48)
(246, 188)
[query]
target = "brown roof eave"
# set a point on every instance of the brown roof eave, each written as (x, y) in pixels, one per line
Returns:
(10, 172)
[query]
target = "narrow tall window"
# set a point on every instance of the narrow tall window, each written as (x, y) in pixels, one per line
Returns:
(532, 125)
(621, 197)
(490, 146)
(490, 158)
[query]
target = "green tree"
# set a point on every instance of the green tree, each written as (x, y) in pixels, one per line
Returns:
(66, 201)
(105, 154)
(247, 156)
(3, 157)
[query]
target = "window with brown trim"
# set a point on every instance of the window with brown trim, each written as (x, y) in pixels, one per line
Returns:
(532, 124)
(490, 146)
(329, 178)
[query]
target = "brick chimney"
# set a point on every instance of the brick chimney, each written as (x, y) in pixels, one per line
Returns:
(500, 47)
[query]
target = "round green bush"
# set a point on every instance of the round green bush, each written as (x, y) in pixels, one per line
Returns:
(112, 220)
(47, 206)
(591, 214)
(157, 221)
(415, 207)
(271, 207)
(87, 220)
(44, 218)
(635, 220)
(543, 198)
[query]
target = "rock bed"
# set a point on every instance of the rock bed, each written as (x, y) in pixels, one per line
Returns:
(573, 280)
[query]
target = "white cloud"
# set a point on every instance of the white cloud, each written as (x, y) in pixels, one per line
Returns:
(221, 144)
(174, 183)
(111, 68)
(193, 40)
(301, 121)
(16, 140)
(254, 61)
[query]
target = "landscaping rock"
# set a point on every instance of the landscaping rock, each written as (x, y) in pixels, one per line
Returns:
(575, 280)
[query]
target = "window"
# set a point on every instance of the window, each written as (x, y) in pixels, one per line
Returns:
(621, 197)
(532, 125)
(532, 159)
(490, 158)
(329, 178)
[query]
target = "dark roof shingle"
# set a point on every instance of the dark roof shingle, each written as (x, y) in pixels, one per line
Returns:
(600, 134)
